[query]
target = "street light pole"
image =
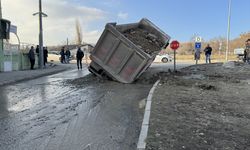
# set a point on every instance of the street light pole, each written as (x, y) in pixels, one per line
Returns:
(41, 61)
(228, 28)
(1, 9)
(41, 14)
(1, 41)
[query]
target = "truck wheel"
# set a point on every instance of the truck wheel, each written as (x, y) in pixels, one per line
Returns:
(164, 60)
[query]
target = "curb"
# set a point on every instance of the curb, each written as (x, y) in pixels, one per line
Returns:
(33, 77)
(141, 145)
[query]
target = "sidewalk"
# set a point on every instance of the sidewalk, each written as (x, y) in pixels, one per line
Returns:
(16, 76)
(201, 107)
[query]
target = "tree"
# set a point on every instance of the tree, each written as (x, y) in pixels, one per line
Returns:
(218, 44)
(240, 41)
(78, 33)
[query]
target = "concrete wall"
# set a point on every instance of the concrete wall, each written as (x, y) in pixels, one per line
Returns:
(12, 59)
(16, 61)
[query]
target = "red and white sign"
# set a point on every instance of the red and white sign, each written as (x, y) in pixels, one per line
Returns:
(174, 45)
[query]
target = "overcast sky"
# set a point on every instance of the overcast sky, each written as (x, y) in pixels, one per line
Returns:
(181, 19)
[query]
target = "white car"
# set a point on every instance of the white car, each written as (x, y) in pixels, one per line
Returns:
(163, 58)
(53, 56)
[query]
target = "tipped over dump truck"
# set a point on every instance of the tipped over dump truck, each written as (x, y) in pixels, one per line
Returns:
(124, 52)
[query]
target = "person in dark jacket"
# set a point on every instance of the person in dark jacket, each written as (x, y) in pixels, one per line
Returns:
(208, 52)
(37, 50)
(79, 56)
(45, 56)
(67, 54)
(31, 56)
(62, 53)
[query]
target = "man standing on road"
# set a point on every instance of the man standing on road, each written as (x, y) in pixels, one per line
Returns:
(67, 53)
(79, 56)
(37, 50)
(31, 56)
(62, 53)
(208, 52)
(197, 54)
(45, 56)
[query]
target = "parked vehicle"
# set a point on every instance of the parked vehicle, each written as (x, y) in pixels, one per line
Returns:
(240, 53)
(53, 56)
(163, 58)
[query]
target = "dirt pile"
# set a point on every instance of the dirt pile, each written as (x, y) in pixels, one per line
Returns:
(204, 107)
(84, 81)
(148, 42)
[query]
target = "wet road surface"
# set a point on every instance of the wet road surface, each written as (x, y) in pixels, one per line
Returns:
(58, 112)
(73, 110)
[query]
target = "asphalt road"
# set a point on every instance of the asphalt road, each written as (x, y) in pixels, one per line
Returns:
(52, 113)
(73, 110)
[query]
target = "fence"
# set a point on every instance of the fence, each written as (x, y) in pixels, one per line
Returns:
(15, 57)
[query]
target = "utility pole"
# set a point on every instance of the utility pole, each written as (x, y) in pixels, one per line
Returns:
(228, 29)
(1, 40)
(41, 14)
(1, 9)
(40, 35)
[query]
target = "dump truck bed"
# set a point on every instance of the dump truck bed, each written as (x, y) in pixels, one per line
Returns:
(120, 56)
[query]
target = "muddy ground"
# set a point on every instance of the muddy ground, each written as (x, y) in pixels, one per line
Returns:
(202, 107)
(145, 40)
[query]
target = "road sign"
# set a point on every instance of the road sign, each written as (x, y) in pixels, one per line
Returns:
(197, 45)
(174, 45)
(198, 39)
(13, 29)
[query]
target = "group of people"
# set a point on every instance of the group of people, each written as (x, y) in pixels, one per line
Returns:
(208, 53)
(32, 56)
(65, 56)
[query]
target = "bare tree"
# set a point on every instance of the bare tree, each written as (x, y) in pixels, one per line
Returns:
(218, 44)
(239, 42)
(78, 33)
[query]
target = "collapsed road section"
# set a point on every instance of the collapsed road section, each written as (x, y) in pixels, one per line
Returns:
(124, 52)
